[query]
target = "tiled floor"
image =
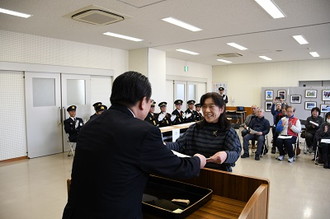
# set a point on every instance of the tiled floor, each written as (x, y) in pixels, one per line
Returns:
(36, 188)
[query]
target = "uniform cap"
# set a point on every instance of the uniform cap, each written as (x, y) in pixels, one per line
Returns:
(71, 108)
(191, 102)
(153, 103)
(197, 105)
(178, 102)
(100, 108)
(221, 88)
(162, 104)
(95, 105)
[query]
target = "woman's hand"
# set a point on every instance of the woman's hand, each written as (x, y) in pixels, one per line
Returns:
(218, 157)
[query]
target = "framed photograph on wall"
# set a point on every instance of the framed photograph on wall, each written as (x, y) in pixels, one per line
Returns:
(268, 106)
(282, 94)
(310, 93)
(325, 95)
(310, 105)
(325, 108)
(269, 94)
(295, 98)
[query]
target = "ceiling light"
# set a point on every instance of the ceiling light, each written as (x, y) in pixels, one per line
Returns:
(187, 51)
(271, 8)
(14, 13)
(314, 54)
(300, 39)
(223, 60)
(265, 58)
(122, 36)
(235, 45)
(181, 24)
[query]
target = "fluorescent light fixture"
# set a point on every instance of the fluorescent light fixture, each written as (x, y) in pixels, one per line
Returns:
(14, 13)
(223, 60)
(300, 39)
(237, 46)
(187, 51)
(122, 36)
(265, 58)
(271, 8)
(182, 24)
(314, 54)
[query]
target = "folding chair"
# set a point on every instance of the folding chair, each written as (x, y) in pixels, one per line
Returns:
(72, 146)
(296, 148)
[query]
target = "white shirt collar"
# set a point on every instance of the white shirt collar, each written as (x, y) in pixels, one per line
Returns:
(131, 112)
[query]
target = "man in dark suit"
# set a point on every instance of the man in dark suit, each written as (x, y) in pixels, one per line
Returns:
(73, 124)
(178, 112)
(116, 153)
(189, 113)
(99, 109)
(223, 95)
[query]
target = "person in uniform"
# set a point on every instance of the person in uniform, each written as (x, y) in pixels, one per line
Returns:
(99, 109)
(197, 113)
(223, 95)
(151, 117)
(178, 112)
(95, 105)
(189, 113)
(164, 118)
(73, 124)
(116, 153)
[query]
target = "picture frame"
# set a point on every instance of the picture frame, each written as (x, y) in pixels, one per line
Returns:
(310, 105)
(282, 94)
(269, 94)
(310, 93)
(295, 98)
(326, 95)
(325, 108)
(268, 106)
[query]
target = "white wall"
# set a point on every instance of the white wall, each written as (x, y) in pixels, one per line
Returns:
(244, 82)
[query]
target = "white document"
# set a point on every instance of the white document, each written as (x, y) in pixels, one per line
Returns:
(314, 123)
(180, 154)
(175, 134)
(325, 140)
(285, 137)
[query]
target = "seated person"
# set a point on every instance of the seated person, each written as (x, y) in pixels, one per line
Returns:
(275, 134)
(189, 113)
(178, 119)
(324, 133)
(213, 137)
(99, 109)
(259, 127)
(248, 119)
(288, 128)
(152, 117)
(73, 124)
(197, 113)
(164, 118)
(312, 125)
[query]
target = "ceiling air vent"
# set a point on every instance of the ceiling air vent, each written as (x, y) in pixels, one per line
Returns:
(229, 55)
(96, 16)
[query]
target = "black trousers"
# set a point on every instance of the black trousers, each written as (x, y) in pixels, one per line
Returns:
(287, 143)
(325, 153)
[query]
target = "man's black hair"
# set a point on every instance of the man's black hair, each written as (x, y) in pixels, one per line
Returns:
(129, 88)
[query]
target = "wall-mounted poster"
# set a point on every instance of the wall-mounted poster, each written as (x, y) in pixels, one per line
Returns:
(281, 94)
(325, 108)
(269, 94)
(295, 98)
(268, 106)
(310, 93)
(310, 105)
(325, 95)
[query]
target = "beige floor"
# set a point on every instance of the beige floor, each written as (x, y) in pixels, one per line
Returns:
(36, 188)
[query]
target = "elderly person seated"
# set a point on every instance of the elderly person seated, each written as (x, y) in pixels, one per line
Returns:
(323, 135)
(259, 127)
(288, 128)
(312, 125)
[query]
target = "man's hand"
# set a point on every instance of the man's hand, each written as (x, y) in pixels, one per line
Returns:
(326, 128)
(202, 160)
(218, 157)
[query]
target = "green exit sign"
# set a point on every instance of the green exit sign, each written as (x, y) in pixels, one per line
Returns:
(185, 68)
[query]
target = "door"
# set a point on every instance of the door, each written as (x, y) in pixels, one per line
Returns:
(75, 91)
(43, 113)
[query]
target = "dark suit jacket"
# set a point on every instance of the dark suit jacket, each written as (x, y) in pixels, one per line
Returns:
(179, 119)
(72, 129)
(114, 156)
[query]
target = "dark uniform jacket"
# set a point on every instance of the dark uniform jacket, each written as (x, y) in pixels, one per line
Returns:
(179, 117)
(72, 127)
(112, 162)
(198, 116)
(166, 120)
(152, 119)
(192, 117)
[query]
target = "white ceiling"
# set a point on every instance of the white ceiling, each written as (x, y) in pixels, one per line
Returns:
(222, 21)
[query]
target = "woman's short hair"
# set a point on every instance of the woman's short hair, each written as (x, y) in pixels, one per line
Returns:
(129, 88)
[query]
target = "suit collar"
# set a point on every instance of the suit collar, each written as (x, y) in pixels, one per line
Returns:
(123, 109)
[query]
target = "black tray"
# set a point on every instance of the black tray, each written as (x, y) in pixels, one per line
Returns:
(163, 190)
